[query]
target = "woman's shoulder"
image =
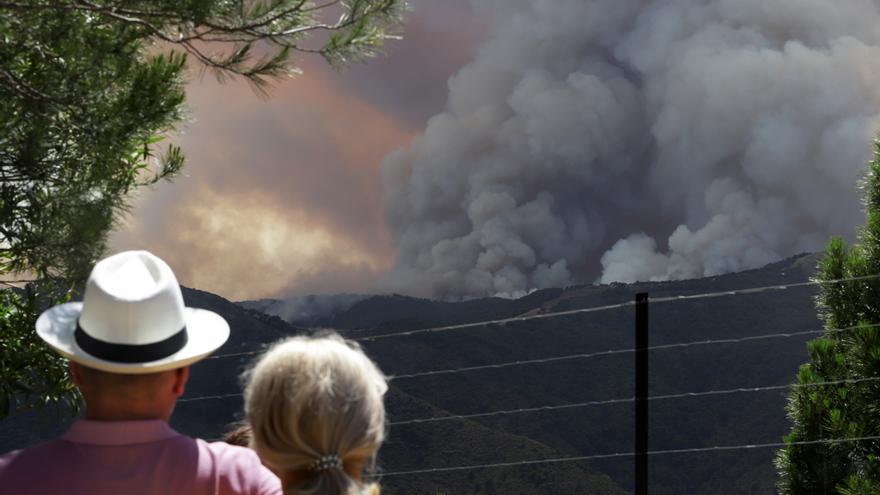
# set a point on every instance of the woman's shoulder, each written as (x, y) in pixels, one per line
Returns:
(236, 467)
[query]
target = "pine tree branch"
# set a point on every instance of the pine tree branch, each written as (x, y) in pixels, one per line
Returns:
(23, 88)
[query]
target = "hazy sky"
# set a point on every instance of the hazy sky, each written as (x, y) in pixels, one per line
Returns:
(284, 196)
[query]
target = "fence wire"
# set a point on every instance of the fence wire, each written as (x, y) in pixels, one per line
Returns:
(516, 319)
(717, 448)
(683, 395)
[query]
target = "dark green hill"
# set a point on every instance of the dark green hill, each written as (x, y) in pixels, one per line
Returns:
(730, 419)
(218, 378)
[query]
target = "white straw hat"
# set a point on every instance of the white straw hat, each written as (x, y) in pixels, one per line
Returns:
(132, 320)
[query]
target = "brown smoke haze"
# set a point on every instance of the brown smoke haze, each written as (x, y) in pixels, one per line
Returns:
(283, 196)
(274, 192)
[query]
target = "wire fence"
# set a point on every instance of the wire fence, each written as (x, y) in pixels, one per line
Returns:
(612, 352)
(588, 355)
(683, 395)
(497, 323)
(556, 314)
(694, 450)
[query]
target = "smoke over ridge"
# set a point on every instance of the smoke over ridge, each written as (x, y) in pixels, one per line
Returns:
(626, 140)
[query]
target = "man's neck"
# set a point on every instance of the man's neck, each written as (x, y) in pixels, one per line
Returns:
(98, 413)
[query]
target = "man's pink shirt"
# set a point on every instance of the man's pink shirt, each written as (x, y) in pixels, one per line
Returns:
(134, 458)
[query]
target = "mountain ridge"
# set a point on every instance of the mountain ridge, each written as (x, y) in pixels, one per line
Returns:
(529, 385)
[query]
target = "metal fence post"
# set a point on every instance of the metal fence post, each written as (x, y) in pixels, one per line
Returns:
(641, 394)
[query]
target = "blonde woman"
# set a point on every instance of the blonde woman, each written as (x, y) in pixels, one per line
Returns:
(315, 406)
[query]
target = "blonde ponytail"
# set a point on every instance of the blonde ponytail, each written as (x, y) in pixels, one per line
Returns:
(315, 405)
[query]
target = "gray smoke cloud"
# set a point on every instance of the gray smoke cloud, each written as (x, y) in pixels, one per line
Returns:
(624, 140)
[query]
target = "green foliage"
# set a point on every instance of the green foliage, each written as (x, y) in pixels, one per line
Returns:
(851, 409)
(82, 107)
(88, 92)
(78, 122)
(33, 376)
(258, 37)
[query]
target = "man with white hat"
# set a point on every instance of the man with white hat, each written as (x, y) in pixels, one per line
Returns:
(130, 343)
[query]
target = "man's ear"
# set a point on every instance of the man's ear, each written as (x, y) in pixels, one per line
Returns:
(75, 375)
(181, 375)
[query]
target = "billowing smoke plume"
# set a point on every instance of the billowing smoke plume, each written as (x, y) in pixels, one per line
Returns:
(638, 140)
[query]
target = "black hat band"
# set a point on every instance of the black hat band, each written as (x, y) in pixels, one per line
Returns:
(130, 353)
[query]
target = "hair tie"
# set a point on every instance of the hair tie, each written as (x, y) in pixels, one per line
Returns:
(325, 463)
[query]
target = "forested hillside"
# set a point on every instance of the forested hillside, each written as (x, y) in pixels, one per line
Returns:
(728, 419)
(575, 430)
